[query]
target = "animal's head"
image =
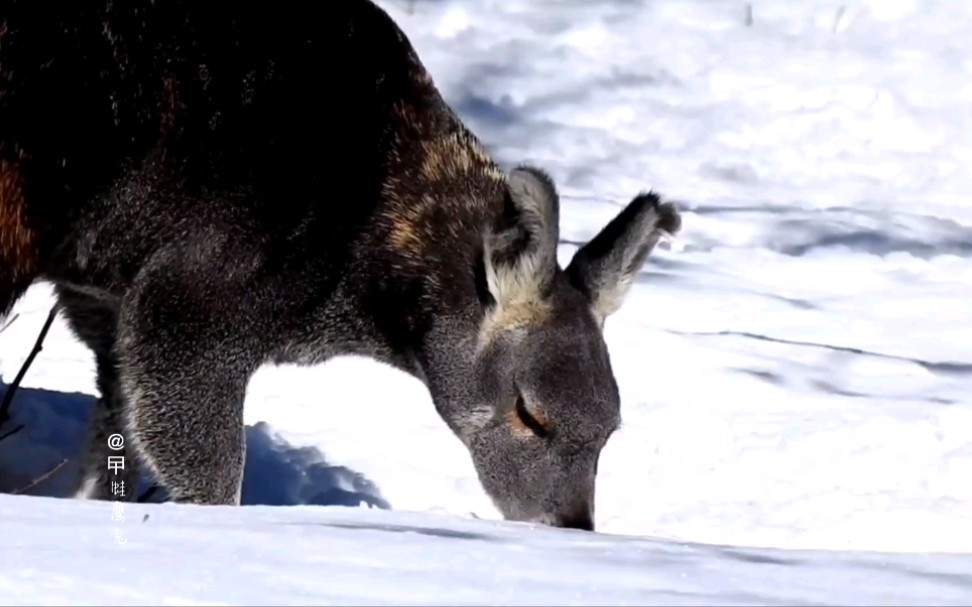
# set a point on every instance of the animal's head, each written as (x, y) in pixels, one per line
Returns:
(542, 401)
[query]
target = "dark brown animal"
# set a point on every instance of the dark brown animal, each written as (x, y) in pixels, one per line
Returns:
(214, 188)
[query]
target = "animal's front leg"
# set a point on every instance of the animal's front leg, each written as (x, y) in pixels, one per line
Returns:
(109, 468)
(185, 357)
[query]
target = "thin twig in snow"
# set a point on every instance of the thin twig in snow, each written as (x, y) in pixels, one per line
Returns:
(9, 322)
(38, 346)
(40, 478)
(10, 433)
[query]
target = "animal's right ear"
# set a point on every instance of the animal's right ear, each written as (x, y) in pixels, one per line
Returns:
(520, 254)
(604, 268)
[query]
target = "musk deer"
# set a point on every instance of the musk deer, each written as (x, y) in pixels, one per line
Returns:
(211, 188)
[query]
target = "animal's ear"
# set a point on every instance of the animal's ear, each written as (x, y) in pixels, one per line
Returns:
(604, 268)
(521, 252)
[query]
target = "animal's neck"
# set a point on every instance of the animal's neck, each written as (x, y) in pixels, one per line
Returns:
(441, 194)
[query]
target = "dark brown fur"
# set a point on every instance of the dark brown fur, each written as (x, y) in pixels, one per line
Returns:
(18, 241)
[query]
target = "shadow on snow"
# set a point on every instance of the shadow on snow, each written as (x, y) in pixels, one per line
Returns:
(276, 473)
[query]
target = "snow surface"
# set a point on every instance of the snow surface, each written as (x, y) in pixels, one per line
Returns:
(797, 379)
(59, 552)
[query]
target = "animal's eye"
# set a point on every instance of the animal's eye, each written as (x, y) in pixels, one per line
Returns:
(537, 426)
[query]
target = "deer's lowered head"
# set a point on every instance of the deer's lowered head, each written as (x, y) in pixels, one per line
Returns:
(529, 389)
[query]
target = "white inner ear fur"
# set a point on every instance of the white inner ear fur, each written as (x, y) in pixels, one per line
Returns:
(613, 290)
(516, 289)
(517, 285)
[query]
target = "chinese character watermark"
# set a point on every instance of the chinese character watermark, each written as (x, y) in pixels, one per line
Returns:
(116, 464)
(118, 536)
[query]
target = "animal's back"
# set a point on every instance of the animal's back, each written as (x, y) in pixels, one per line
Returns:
(123, 125)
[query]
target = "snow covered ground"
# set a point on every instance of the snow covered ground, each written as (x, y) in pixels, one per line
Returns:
(798, 377)
(61, 552)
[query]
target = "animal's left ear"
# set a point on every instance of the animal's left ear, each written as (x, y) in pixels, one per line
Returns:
(521, 254)
(604, 268)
